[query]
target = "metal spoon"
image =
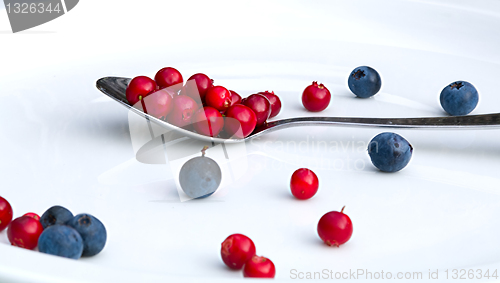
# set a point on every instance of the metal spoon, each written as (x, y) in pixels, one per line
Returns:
(115, 87)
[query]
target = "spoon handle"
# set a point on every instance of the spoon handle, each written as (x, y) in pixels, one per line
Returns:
(485, 121)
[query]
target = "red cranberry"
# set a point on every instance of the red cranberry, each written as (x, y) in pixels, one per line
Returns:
(183, 109)
(304, 183)
(236, 250)
(235, 98)
(208, 121)
(275, 102)
(316, 97)
(32, 215)
(259, 267)
(167, 77)
(240, 121)
(24, 232)
(335, 228)
(5, 213)
(138, 88)
(159, 103)
(218, 97)
(260, 106)
(196, 86)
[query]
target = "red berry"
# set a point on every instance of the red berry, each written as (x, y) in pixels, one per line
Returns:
(304, 183)
(24, 232)
(33, 215)
(259, 267)
(218, 97)
(236, 250)
(275, 102)
(235, 98)
(260, 105)
(167, 77)
(196, 86)
(5, 213)
(183, 109)
(138, 88)
(335, 228)
(159, 103)
(208, 121)
(240, 121)
(316, 97)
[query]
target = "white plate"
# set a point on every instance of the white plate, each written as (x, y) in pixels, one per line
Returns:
(65, 143)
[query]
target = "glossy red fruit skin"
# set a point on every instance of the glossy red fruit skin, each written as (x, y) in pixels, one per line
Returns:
(202, 82)
(236, 250)
(33, 215)
(138, 88)
(208, 121)
(259, 267)
(168, 77)
(275, 102)
(218, 97)
(182, 111)
(24, 232)
(240, 121)
(235, 98)
(159, 103)
(5, 213)
(316, 97)
(335, 228)
(304, 183)
(260, 106)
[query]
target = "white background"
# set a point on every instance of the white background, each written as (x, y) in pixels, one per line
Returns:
(64, 143)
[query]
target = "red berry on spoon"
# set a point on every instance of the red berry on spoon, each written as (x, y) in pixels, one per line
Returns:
(218, 97)
(138, 88)
(259, 267)
(32, 215)
(260, 106)
(208, 121)
(24, 232)
(159, 103)
(236, 250)
(304, 183)
(335, 228)
(240, 121)
(5, 213)
(167, 77)
(275, 102)
(183, 109)
(235, 98)
(196, 86)
(316, 97)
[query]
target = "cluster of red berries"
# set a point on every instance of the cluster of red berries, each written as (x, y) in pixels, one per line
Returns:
(23, 231)
(238, 251)
(200, 105)
(334, 228)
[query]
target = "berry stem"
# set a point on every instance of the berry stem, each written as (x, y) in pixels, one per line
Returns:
(203, 150)
(342, 210)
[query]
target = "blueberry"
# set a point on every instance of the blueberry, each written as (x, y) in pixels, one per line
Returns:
(459, 98)
(92, 231)
(390, 152)
(364, 81)
(55, 215)
(61, 240)
(200, 177)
